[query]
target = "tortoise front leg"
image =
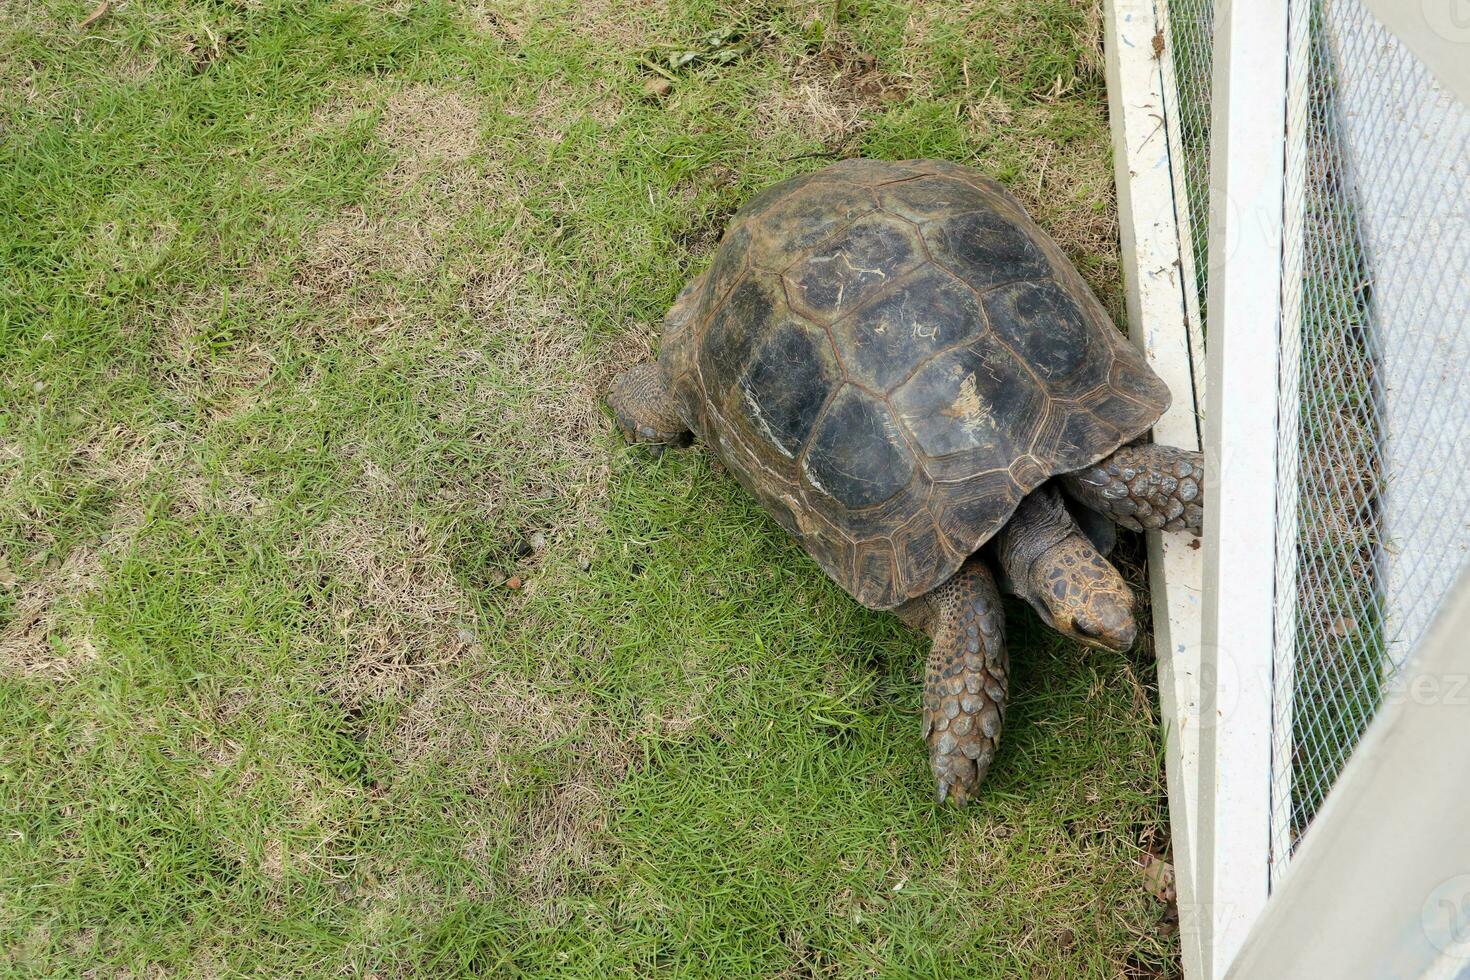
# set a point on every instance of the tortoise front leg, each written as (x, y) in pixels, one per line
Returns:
(645, 410)
(1145, 488)
(965, 681)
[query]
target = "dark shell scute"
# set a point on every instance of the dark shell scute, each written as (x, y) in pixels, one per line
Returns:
(967, 510)
(883, 343)
(1120, 413)
(1132, 376)
(986, 249)
(729, 262)
(875, 561)
(1080, 433)
(857, 455)
(783, 390)
(975, 399)
(778, 509)
(771, 196)
(849, 268)
(921, 556)
(805, 219)
(733, 330)
(927, 198)
(1044, 324)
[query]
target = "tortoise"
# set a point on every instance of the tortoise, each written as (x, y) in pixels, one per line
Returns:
(916, 383)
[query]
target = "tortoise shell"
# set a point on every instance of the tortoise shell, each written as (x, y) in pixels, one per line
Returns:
(890, 356)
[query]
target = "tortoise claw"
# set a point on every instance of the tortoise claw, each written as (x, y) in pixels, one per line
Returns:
(943, 796)
(952, 793)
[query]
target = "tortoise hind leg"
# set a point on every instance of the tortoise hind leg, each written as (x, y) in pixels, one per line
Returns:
(965, 681)
(1145, 488)
(644, 409)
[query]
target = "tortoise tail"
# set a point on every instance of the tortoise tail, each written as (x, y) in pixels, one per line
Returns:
(965, 681)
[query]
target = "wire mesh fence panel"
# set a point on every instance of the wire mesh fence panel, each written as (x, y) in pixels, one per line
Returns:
(1373, 420)
(1190, 56)
(1374, 410)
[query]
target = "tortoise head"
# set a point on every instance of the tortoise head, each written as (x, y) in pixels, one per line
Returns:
(1079, 593)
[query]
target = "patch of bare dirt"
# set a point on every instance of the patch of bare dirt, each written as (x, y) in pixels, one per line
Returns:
(395, 606)
(830, 94)
(624, 27)
(492, 724)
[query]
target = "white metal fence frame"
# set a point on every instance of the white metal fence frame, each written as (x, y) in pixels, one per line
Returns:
(1153, 257)
(1224, 614)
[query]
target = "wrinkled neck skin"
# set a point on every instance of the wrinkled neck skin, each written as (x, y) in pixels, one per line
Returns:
(1042, 556)
(1045, 559)
(918, 614)
(1039, 524)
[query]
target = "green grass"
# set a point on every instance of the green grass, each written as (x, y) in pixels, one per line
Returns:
(305, 316)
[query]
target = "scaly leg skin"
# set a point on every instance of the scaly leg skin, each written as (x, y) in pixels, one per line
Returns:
(645, 412)
(1145, 488)
(965, 681)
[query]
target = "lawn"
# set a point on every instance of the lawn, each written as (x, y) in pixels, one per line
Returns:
(340, 634)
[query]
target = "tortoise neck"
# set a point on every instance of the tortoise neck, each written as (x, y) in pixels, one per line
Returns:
(1039, 524)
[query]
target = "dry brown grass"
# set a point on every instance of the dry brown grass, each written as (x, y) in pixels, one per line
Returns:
(559, 104)
(205, 357)
(1067, 187)
(352, 251)
(556, 385)
(39, 637)
(829, 96)
(396, 609)
(401, 616)
(32, 641)
(429, 128)
(36, 638)
(488, 724)
(126, 65)
(438, 171)
(624, 27)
